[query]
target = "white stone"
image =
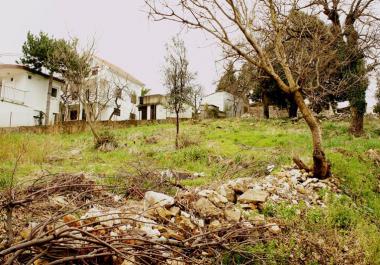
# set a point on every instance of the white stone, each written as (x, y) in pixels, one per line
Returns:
(156, 199)
(253, 195)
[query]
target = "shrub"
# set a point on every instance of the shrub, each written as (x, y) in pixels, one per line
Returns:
(106, 142)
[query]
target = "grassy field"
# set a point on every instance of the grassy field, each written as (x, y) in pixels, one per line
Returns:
(223, 149)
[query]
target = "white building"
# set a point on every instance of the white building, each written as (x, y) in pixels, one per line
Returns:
(23, 96)
(107, 76)
(154, 107)
(227, 103)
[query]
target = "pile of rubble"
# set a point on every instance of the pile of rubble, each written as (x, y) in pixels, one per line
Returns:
(192, 227)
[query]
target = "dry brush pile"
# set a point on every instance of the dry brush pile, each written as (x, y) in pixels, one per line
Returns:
(69, 219)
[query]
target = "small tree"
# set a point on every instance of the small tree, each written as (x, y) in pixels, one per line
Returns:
(178, 79)
(40, 53)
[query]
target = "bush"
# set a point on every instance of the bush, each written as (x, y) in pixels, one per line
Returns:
(106, 142)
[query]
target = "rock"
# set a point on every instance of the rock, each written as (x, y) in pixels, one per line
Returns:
(172, 234)
(129, 261)
(214, 197)
(214, 225)
(149, 231)
(71, 221)
(58, 200)
(156, 199)
(75, 152)
(175, 262)
(239, 185)
(270, 168)
(308, 181)
(206, 209)
(255, 218)
(232, 214)
(227, 192)
(253, 196)
(301, 189)
(175, 210)
(274, 228)
(185, 223)
(163, 213)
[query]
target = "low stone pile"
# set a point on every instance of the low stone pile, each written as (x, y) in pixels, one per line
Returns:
(191, 227)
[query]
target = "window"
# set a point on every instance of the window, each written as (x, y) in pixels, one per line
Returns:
(74, 95)
(73, 115)
(54, 92)
(94, 71)
(118, 93)
(11, 79)
(29, 77)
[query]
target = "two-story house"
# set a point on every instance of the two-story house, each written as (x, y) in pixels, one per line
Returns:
(115, 93)
(23, 96)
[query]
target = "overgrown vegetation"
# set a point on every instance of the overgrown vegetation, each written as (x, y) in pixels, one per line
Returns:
(224, 149)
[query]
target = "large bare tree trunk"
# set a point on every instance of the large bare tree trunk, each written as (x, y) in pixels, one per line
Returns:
(357, 122)
(321, 167)
(47, 112)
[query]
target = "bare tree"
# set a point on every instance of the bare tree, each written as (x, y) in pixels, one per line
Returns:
(355, 26)
(247, 28)
(78, 84)
(178, 79)
(196, 99)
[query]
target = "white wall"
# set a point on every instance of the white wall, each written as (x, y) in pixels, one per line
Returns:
(21, 111)
(225, 102)
(127, 107)
(216, 99)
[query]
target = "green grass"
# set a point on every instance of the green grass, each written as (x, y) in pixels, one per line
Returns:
(224, 149)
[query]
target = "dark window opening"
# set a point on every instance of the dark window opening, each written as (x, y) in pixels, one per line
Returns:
(144, 112)
(94, 71)
(11, 79)
(29, 77)
(54, 92)
(73, 115)
(153, 112)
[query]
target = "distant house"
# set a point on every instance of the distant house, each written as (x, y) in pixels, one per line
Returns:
(23, 96)
(228, 104)
(154, 107)
(105, 75)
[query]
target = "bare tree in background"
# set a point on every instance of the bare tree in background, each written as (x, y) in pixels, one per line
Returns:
(356, 27)
(178, 79)
(246, 28)
(196, 99)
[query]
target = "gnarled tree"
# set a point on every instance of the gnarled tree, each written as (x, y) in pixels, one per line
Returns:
(355, 26)
(247, 28)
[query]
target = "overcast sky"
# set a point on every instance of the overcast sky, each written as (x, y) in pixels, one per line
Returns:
(122, 31)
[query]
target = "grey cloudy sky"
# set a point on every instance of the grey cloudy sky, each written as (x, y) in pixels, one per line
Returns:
(122, 31)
